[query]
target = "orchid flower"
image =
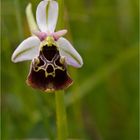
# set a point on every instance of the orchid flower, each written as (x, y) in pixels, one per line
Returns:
(49, 52)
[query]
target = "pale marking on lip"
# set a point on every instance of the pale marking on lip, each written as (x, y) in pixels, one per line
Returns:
(46, 63)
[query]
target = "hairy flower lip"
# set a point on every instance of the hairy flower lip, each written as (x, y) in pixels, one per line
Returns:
(50, 75)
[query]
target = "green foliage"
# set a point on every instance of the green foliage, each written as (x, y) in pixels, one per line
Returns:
(103, 101)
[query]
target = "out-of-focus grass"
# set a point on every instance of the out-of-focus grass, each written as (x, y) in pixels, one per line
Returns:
(103, 102)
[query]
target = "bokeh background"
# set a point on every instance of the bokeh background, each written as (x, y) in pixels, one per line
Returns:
(102, 104)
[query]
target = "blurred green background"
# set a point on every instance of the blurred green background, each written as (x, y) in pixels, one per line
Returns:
(102, 104)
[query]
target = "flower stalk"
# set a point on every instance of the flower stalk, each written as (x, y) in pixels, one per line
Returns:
(62, 132)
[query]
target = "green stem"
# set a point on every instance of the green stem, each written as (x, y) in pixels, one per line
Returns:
(61, 116)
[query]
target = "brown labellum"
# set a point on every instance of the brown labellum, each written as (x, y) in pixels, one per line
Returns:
(48, 71)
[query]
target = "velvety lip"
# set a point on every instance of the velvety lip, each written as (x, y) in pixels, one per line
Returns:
(47, 72)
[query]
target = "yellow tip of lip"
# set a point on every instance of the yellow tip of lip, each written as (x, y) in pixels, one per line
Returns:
(50, 90)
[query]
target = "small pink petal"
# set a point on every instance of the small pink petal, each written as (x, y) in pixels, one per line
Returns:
(40, 35)
(59, 34)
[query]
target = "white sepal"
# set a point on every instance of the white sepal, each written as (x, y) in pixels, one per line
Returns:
(27, 50)
(41, 16)
(46, 15)
(72, 57)
(52, 15)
